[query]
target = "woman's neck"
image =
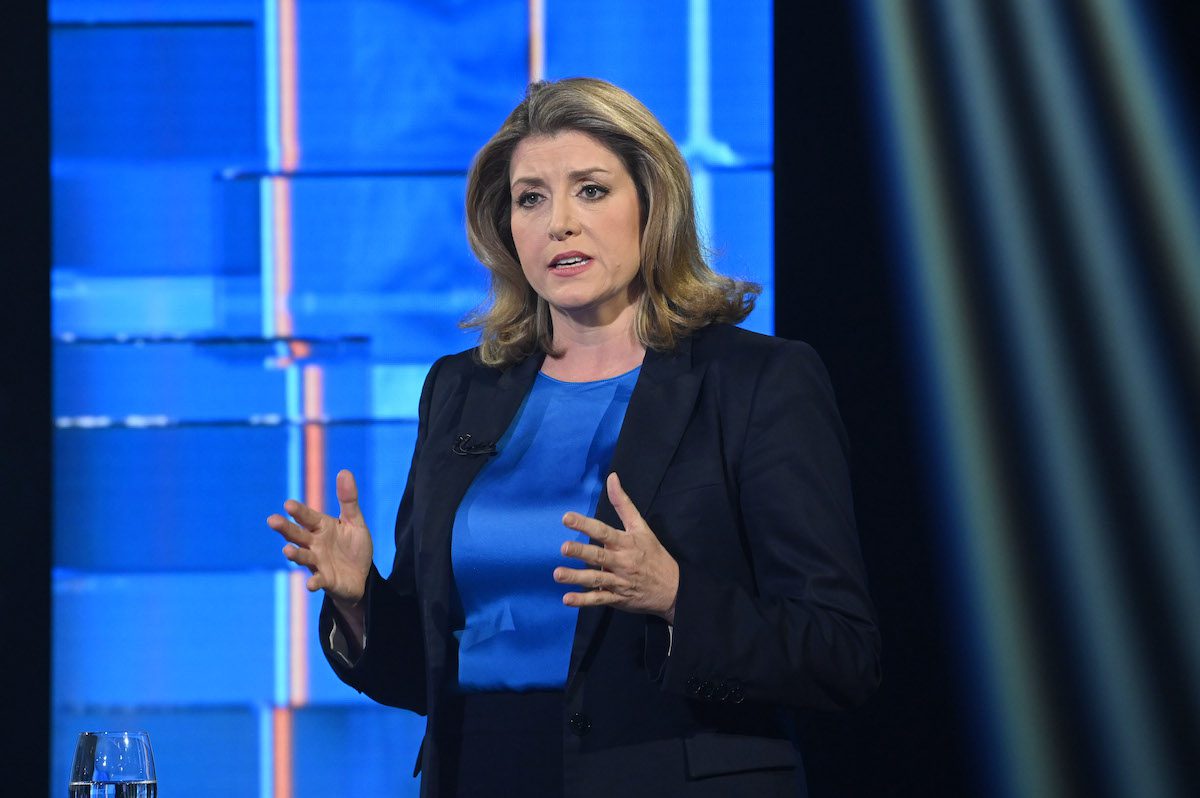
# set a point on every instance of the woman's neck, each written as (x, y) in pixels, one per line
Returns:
(594, 352)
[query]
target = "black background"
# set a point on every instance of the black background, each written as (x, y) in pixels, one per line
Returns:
(836, 287)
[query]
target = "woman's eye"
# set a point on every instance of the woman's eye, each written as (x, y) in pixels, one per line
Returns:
(528, 199)
(593, 191)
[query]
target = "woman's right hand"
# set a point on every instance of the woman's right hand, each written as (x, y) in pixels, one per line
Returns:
(337, 551)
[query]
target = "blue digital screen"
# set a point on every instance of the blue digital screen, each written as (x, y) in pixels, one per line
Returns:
(258, 251)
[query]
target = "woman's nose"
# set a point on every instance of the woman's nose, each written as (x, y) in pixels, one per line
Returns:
(562, 223)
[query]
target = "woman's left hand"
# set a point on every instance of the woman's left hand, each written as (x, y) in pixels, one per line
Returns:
(632, 571)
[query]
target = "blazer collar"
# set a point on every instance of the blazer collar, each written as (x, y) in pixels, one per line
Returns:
(658, 414)
(653, 424)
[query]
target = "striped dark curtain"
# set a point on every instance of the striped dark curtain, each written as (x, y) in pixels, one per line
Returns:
(1038, 204)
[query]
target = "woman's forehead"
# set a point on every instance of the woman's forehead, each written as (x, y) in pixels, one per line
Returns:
(560, 145)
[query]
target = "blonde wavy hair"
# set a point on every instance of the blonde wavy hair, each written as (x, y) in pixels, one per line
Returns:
(679, 293)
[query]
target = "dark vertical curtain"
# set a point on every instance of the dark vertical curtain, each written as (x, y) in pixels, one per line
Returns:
(997, 247)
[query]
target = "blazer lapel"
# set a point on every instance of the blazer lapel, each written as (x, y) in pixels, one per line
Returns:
(658, 413)
(491, 402)
(493, 398)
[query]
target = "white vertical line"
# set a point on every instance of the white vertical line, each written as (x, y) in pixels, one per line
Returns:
(699, 132)
(699, 79)
(270, 50)
(266, 256)
(281, 608)
(702, 193)
(700, 149)
(294, 388)
(270, 30)
(700, 146)
(537, 40)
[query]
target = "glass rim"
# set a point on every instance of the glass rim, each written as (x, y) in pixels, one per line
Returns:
(114, 732)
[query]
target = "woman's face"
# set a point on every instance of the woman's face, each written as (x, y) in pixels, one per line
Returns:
(576, 225)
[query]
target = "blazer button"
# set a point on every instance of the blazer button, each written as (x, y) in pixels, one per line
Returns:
(580, 723)
(722, 692)
(737, 695)
(706, 690)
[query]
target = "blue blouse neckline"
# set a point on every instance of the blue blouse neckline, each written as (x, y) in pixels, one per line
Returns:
(625, 375)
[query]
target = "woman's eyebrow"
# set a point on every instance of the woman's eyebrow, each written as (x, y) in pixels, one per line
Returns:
(574, 175)
(579, 174)
(527, 181)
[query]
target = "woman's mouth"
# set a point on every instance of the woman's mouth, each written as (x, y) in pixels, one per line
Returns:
(569, 263)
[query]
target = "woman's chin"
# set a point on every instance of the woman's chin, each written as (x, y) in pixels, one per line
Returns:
(591, 311)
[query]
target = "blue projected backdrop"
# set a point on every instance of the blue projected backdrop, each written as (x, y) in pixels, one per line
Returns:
(258, 252)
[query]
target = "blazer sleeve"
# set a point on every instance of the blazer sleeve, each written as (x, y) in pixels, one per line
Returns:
(804, 634)
(391, 667)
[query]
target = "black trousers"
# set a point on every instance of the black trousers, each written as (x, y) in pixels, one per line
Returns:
(504, 744)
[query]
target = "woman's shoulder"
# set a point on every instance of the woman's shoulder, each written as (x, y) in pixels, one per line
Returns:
(451, 372)
(743, 361)
(728, 344)
(447, 373)
(463, 362)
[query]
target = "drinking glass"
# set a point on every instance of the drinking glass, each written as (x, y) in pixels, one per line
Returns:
(113, 764)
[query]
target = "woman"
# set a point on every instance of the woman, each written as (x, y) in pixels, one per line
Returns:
(712, 573)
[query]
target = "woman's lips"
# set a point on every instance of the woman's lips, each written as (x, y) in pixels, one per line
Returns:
(572, 263)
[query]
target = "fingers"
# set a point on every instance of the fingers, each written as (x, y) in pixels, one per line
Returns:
(630, 517)
(309, 518)
(291, 532)
(592, 555)
(599, 531)
(591, 579)
(300, 557)
(304, 557)
(595, 597)
(594, 529)
(631, 570)
(347, 496)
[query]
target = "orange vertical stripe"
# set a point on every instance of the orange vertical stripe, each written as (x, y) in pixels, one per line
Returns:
(289, 101)
(282, 724)
(314, 393)
(314, 466)
(298, 637)
(282, 195)
(314, 437)
(313, 379)
(289, 146)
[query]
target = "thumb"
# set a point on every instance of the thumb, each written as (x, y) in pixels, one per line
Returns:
(347, 496)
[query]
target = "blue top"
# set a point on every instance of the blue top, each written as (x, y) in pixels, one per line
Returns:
(508, 531)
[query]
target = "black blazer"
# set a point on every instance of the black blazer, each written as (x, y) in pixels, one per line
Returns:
(733, 451)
